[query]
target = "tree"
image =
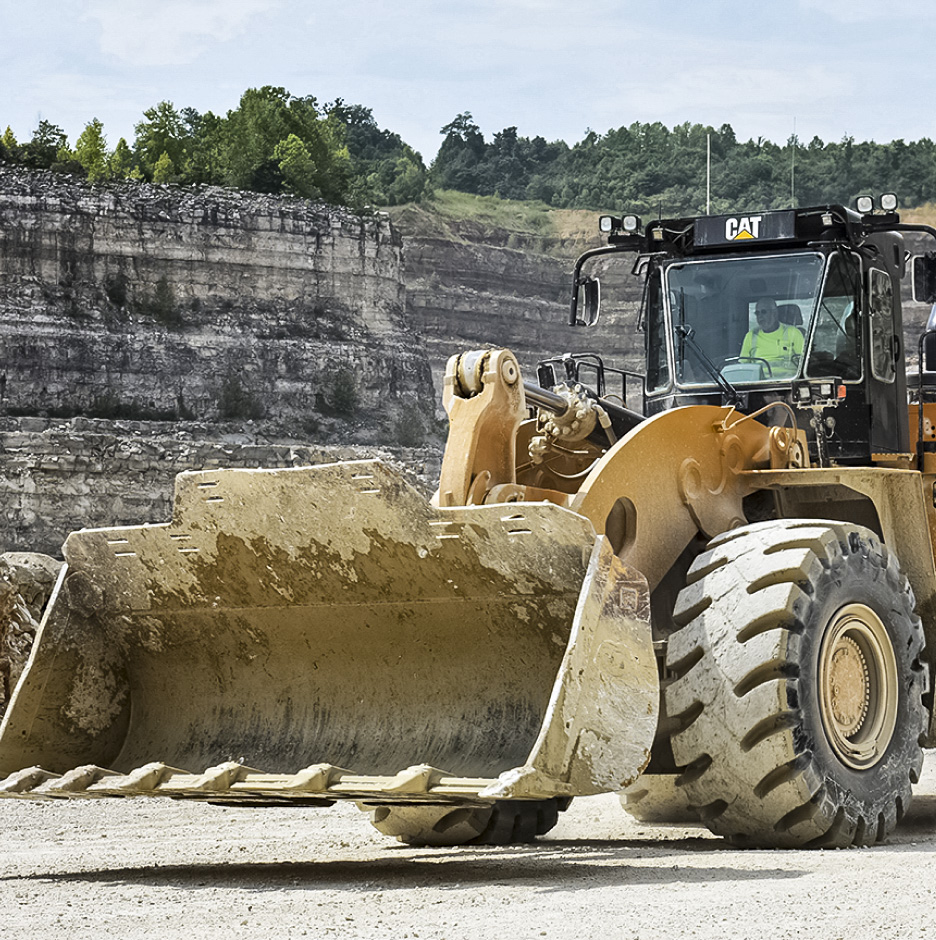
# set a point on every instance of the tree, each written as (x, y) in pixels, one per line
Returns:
(409, 178)
(42, 151)
(163, 132)
(9, 148)
(297, 167)
(120, 162)
(164, 169)
(456, 165)
(384, 170)
(91, 150)
(206, 136)
(267, 116)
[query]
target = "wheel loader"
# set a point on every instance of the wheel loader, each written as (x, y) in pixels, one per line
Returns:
(719, 600)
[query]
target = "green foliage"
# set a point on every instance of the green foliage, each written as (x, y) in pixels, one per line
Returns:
(47, 140)
(385, 171)
(272, 142)
(276, 142)
(535, 218)
(651, 169)
(120, 162)
(91, 151)
(163, 133)
(9, 148)
(269, 117)
(510, 166)
(205, 148)
(296, 167)
(164, 169)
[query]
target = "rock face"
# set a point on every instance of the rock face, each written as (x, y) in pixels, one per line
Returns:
(470, 287)
(150, 302)
(59, 476)
(146, 330)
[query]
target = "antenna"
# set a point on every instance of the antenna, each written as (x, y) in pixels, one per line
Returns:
(793, 167)
(708, 173)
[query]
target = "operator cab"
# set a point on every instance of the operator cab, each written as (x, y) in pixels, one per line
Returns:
(800, 306)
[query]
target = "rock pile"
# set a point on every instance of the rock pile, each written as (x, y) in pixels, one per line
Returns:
(26, 582)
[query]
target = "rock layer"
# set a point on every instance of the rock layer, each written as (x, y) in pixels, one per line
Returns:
(154, 302)
(470, 286)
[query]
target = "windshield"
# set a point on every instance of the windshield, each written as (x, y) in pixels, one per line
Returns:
(746, 318)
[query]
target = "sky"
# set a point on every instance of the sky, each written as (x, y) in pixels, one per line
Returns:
(555, 68)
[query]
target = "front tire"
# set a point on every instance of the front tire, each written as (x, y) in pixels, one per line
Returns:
(505, 822)
(799, 686)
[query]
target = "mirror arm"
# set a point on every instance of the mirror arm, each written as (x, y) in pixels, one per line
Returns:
(578, 280)
(913, 227)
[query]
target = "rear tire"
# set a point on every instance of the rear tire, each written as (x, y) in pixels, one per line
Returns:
(505, 822)
(799, 686)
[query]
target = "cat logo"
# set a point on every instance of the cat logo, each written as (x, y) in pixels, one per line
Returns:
(748, 226)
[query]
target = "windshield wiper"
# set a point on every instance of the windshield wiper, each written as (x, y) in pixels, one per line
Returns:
(730, 393)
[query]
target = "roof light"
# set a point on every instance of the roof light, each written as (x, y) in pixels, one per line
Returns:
(630, 223)
(606, 224)
(864, 204)
(889, 202)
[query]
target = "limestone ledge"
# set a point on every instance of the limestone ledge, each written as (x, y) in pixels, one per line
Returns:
(84, 473)
(158, 301)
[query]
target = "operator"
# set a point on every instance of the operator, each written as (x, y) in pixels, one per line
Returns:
(778, 344)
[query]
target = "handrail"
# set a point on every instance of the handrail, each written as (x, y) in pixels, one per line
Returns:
(920, 370)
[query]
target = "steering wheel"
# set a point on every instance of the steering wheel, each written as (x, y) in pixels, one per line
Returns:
(764, 362)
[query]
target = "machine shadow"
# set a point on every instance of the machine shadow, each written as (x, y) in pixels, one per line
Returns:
(549, 867)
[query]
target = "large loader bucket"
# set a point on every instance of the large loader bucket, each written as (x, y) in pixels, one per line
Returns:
(324, 632)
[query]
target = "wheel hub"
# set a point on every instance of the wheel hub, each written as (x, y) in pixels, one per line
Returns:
(858, 686)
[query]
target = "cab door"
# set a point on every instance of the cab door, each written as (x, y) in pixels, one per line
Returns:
(887, 394)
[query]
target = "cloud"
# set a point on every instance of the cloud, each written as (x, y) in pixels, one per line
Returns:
(172, 32)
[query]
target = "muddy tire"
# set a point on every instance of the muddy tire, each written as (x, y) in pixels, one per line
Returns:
(655, 798)
(799, 686)
(503, 823)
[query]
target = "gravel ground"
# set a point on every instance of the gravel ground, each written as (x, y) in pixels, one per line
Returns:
(152, 868)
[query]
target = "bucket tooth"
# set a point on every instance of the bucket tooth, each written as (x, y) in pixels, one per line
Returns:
(77, 780)
(221, 777)
(142, 779)
(416, 779)
(25, 781)
(317, 778)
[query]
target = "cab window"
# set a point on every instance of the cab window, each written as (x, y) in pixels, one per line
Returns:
(881, 319)
(835, 348)
(658, 375)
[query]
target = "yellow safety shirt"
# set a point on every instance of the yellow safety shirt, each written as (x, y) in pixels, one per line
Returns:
(780, 346)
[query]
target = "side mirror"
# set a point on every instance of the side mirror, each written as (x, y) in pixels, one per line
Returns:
(923, 268)
(589, 296)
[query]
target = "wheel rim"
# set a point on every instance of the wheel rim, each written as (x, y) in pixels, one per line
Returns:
(858, 686)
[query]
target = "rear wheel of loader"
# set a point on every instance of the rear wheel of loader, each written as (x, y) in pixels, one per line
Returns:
(799, 688)
(503, 823)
